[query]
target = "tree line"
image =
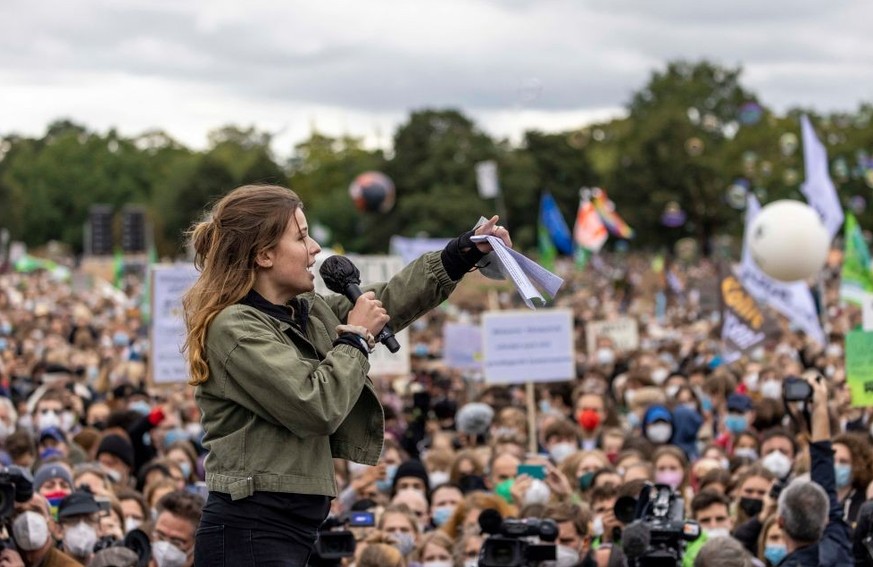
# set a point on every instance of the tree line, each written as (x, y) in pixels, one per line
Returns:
(692, 136)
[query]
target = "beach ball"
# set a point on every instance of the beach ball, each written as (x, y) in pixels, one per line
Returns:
(788, 240)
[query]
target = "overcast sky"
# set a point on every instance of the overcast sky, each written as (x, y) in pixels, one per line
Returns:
(189, 66)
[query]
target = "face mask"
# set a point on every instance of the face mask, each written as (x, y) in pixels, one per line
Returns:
(437, 564)
(597, 526)
(195, 430)
(186, 469)
(633, 420)
(471, 563)
(545, 406)
(79, 540)
(629, 397)
(588, 419)
(585, 480)
(54, 500)
(25, 422)
(659, 432)
(775, 553)
(141, 407)
(30, 531)
(735, 423)
(751, 507)
(659, 375)
(113, 475)
(565, 556)
(751, 381)
(538, 493)
(671, 478)
(5, 329)
(404, 542)
(671, 391)
(843, 474)
(91, 372)
(712, 533)
(441, 515)
(48, 419)
(560, 451)
(130, 524)
(437, 478)
(166, 554)
(772, 389)
(120, 339)
(3, 344)
(68, 421)
(777, 463)
(605, 356)
(384, 485)
(747, 452)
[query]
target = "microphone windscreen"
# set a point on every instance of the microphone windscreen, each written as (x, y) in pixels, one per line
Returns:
(338, 272)
(635, 540)
(474, 418)
(490, 521)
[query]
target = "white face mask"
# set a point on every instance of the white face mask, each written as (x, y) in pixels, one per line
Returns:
(68, 421)
(564, 557)
(605, 356)
(659, 375)
(717, 532)
(471, 563)
(79, 540)
(771, 389)
(659, 432)
(48, 419)
(749, 452)
(777, 463)
(751, 381)
(437, 478)
(538, 493)
(560, 451)
(597, 526)
(130, 524)
(30, 531)
(166, 554)
(671, 391)
(437, 564)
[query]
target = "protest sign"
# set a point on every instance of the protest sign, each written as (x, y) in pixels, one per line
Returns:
(742, 319)
(169, 283)
(859, 367)
(623, 332)
(522, 346)
(462, 346)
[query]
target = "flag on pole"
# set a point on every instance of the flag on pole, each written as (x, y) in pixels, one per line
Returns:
(818, 188)
(606, 210)
(548, 251)
(118, 269)
(589, 231)
(554, 223)
(856, 278)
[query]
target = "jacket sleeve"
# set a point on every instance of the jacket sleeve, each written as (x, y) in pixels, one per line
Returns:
(747, 534)
(835, 547)
(268, 376)
(415, 290)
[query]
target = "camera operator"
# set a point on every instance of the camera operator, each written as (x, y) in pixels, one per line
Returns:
(32, 529)
(808, 512)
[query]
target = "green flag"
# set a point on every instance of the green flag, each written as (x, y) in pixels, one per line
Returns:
(856, 277)
(581, 255)
(118, 269)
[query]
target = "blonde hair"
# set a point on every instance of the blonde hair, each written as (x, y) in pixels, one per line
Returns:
(246, 221)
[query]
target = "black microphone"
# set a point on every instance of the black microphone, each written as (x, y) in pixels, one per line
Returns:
(490, 521)
(343, 277)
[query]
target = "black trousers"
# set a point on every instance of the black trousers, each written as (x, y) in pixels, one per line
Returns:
(268, 529)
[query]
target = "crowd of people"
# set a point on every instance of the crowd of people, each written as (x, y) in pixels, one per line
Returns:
(117, 464)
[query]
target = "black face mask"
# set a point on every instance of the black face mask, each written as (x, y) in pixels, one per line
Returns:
(751, 506)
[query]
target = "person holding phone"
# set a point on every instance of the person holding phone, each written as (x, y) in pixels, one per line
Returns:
(281, 371)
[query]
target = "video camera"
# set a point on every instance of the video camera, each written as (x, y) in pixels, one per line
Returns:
(16, 485)
(335, 542)
(513, 542)
(656, 531)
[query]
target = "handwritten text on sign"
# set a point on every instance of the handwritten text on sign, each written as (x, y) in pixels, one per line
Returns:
(520, 346)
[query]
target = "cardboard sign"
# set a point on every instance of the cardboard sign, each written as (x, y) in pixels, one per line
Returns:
(623, 331)
(169, 283)
(524, 346)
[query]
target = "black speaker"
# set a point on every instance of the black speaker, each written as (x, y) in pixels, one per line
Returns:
(133, 227)
(100, 221)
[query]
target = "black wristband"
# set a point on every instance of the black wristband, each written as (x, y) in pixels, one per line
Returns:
(460, 256)
(354, 340)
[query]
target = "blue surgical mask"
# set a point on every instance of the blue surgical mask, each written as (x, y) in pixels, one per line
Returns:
(545, 406)
(843, 474)
(142, 407)
(3, 344)
(442, 514)
(775, 553)
(735, 423)
(186, 469)
(384, 485)
(5, 328)
(120, 339)
(633, 420)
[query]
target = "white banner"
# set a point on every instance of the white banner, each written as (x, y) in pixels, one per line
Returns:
(486, 179)
(462, 346)
(623, 331)
(793, 299)
(169, 283)
(375, 269)
(818, 187)
(411, 248)
(524, 346)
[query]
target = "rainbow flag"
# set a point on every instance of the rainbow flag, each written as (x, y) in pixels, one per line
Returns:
(589, 232)
(606, 210)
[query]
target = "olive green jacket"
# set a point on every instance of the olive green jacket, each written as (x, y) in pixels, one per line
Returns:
(281, 403)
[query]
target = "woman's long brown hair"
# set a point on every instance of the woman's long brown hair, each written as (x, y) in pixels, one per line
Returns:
(244, 222)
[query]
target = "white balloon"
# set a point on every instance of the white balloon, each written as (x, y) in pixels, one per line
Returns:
(788, 240)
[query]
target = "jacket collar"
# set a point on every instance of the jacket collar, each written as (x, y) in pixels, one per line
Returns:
(294, 313)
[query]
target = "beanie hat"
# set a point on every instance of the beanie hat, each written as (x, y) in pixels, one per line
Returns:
(412, 468)
(50, 471)
(118, 446)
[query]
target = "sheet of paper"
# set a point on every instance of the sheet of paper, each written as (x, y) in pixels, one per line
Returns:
(520, 270)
